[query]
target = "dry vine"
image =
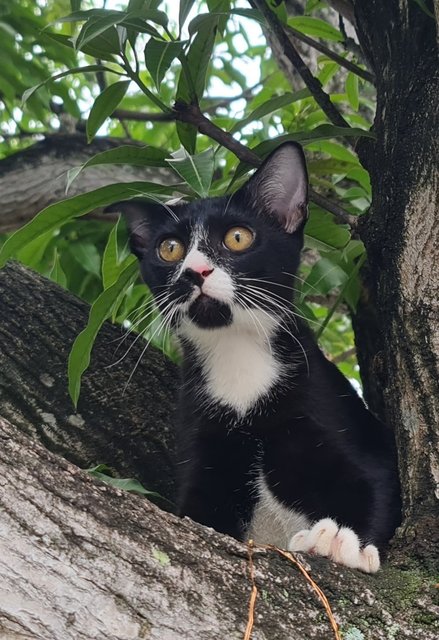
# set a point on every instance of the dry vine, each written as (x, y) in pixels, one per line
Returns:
(254, 592)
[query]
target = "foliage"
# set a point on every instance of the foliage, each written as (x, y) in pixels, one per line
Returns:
(84, 62)
(104, 473)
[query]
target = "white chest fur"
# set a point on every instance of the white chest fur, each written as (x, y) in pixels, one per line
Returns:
(237, 360)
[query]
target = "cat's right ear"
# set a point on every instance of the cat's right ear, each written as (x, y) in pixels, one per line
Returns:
(136, 214)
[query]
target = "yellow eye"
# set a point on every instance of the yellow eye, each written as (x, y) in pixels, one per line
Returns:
(238, 238)
(171, 250)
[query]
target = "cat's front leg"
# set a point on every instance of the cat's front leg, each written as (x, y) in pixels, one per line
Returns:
(340, 544)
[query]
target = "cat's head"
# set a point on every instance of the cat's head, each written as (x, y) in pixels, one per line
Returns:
(215, 262)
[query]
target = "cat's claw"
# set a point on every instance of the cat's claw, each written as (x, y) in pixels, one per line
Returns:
(340, 544)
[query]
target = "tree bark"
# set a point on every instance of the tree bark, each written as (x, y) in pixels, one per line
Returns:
(397, 326)
(79, 559)
(128, 429)
(36, 177)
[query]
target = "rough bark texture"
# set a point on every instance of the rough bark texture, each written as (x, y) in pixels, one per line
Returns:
(397, 326)
(34, 178)
(130, 430)
(79, 559)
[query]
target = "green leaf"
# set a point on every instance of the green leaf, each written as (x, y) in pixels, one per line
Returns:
(322, 232)
(101, 472)
(185, 8)
(271, 105)
(159, 55)
(316, 27)
(32, 254)
(335, 150)
(110, 259)
(352, 90)
(86, 69)
(126, 154)
(223, 7)
(322, 132)
(81, 16)
(102, 47)
(423, 5)
(324, 276)
(196, 170)
(353, 276)
(252, 14)
(101, 309)
(94, 28)
(187, 134)
(104, 105)
(198, 59)
(204, 21)
(55, 215)
(88, 257)
(57, 273)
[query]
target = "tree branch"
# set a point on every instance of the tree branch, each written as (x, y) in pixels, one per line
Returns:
(290, 52)
(66, 538)
(192, 115)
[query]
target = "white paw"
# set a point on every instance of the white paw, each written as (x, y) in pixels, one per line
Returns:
(340, 544)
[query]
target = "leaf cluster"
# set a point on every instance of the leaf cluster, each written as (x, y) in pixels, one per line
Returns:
(140, 73)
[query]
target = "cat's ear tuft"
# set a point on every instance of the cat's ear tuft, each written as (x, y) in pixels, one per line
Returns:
(280, 186)
(136, 216)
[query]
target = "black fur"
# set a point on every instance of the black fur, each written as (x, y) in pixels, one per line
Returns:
(322, 452)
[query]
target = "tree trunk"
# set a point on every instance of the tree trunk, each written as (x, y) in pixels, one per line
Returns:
(79, 559)
(397, 326)
(130, 430)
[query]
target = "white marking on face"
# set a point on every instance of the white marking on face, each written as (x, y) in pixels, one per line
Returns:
(273, 522)
(197, 261)
(218, 284)
(237, 360)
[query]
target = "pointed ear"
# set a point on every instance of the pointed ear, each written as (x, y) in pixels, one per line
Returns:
(137, 216)
(280, 186)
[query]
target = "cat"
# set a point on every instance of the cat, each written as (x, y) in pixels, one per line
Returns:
(274, 444)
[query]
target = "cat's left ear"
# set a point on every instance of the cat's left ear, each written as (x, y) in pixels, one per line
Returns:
(137, 217)
(280, 186)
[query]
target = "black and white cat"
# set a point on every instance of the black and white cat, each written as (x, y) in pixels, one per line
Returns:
(274, 443)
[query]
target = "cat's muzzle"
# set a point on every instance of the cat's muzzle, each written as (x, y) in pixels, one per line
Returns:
(208, 313)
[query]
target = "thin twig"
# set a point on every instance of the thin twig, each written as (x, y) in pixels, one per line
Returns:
(347, 64)
(218, 103)
(344, 8)
(344, 356)
(337, 210)
(290, 52)
(320, 594)
(254, 593)
(142, 116)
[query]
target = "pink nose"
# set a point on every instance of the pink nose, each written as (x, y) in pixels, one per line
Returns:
(203, 270)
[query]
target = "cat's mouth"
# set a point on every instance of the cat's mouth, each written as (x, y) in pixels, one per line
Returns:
(209, 313)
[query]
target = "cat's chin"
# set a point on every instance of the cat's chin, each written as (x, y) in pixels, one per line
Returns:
(208, 313)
